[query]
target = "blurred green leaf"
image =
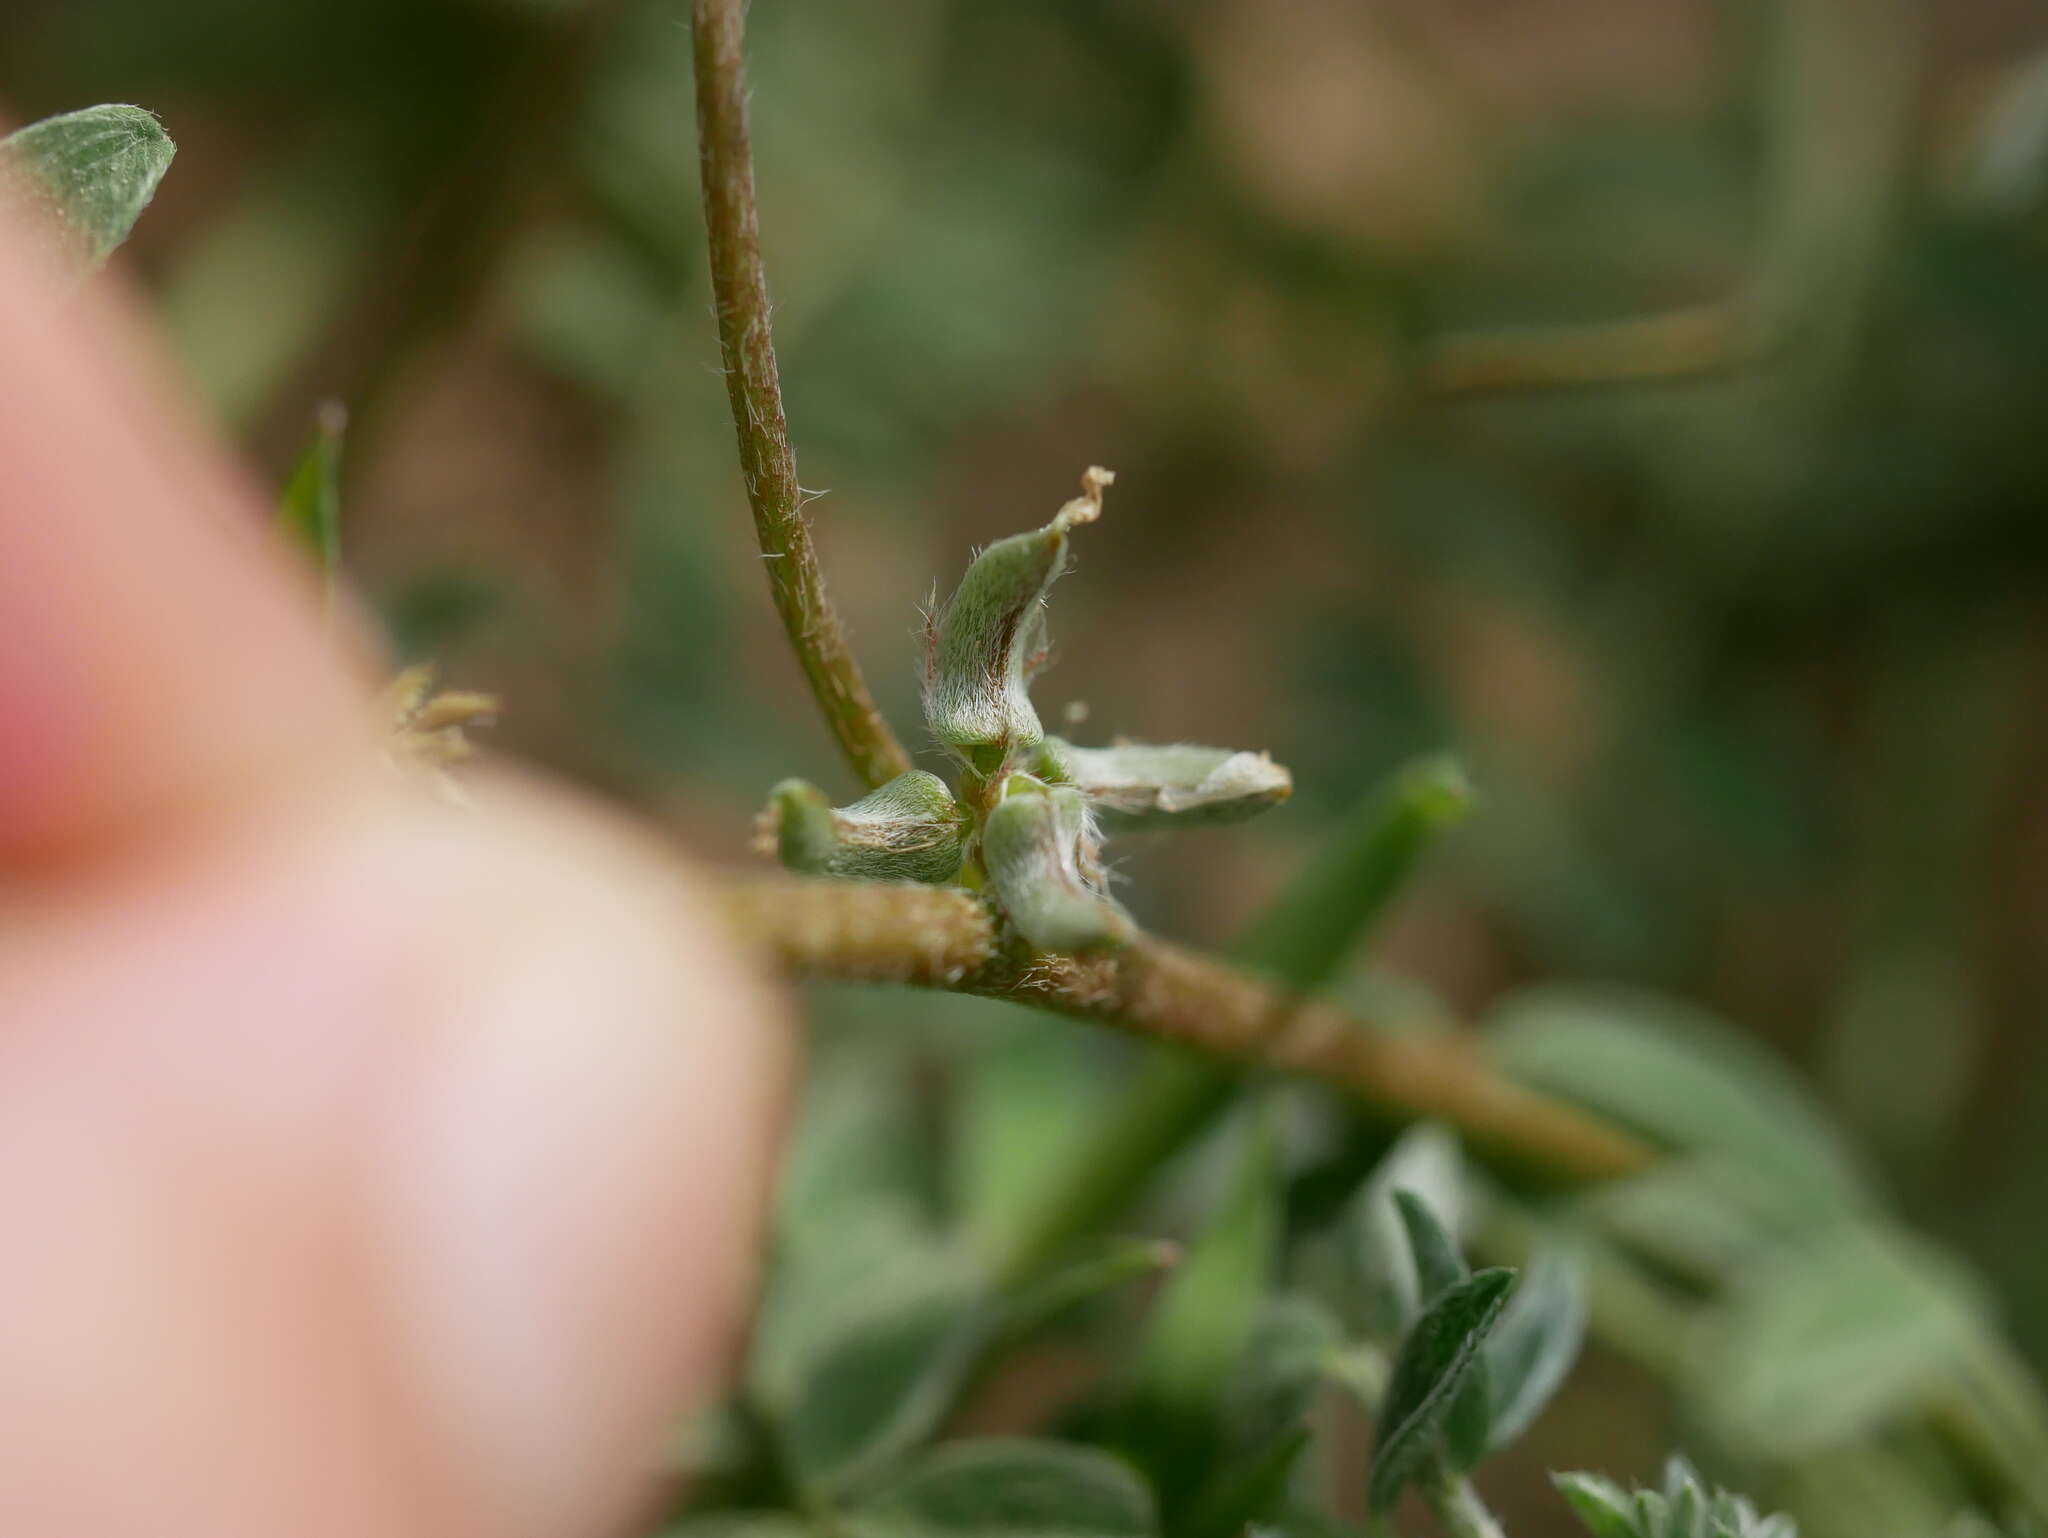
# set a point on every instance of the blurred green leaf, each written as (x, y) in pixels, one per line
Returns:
(1248, 1489)
(1425, 1162)
(1685, 1513)
(92, 172)
(1328, 910)
(1438, 1356)
(1204, 1319)
(1824, 1340)
(1684, 1508)
(871, 1317)
(1283, 1365)
(860, 1157)
(1438, 1265)
(310, 510)
(1678, 1075)
(1116, 1263)
(1438, 1268)
(1603, 1508)
(881, 1383)
(1700, 1216)
(1533, 1346)
(1026, 1098)
(1005, 1488)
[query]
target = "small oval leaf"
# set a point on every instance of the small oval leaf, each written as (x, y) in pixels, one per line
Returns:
(1424, 1160)
(1436, 1360)
(1533, 1346)
(91, 173)
(1014, 1487)
(1603, 1508)
(880, 1384)
(1438, 1265)
(310, 510)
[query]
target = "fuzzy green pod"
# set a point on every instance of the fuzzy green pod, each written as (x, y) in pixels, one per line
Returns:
(1137, 787)
(989, 640)
(909, 830)
(1039, 846)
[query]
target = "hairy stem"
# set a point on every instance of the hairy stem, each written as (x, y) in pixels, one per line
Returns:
(740, 288)
(940, 937)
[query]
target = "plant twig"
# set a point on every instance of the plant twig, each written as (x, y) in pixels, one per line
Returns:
(1685, 344)
(1457, 1505)
(740, 288)
(939, 937)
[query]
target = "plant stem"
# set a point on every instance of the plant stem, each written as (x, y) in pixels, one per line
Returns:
(1686, 344)
(1457, 1504)
(1300, 942)
(740, 287)
(941, 937)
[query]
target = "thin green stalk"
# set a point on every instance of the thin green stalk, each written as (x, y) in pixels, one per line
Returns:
(1300, 941)
(740, 287)
(1457, 1504)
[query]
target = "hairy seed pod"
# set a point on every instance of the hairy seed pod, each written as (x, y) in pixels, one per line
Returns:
(989, 640)
(909, 830)
(1038, 845)
(1135, 787)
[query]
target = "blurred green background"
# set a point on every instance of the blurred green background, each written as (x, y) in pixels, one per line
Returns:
(1749, 663)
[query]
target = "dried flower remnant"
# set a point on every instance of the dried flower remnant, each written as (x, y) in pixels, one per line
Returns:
(425, 731)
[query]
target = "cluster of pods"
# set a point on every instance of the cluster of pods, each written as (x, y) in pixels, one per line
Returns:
(1026, 818)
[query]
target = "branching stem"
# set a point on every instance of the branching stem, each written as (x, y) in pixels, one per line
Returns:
(740, 288)
(940, 937)
(948, 938)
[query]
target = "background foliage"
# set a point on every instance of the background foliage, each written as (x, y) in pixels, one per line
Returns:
(1748, 668)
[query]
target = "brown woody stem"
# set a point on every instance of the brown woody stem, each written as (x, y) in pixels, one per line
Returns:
(767, 464)
(940, 937)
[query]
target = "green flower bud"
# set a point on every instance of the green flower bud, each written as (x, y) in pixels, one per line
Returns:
(1039, 847)
(909, 830)
(989, 640)
(1135, 787)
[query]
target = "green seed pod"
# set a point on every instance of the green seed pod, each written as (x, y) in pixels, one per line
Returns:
(989, 640)
(1135, 787)
(1039, 846)
(909, 830)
